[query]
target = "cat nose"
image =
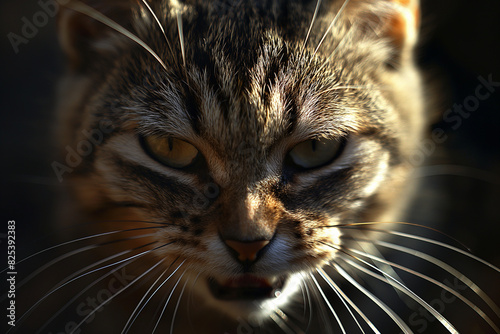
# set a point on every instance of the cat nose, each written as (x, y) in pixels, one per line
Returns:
(247, 250)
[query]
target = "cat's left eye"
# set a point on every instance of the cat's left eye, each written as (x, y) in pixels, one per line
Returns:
(314, 153)
(170, 151)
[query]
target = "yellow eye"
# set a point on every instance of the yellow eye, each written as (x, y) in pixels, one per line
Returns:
(315, 153)
(171, 152)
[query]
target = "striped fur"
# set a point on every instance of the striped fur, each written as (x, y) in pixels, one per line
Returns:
(245, 89)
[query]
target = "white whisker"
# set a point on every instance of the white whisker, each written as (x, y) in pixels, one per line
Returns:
(348, 87)
(403, 288)
(303, 292)
(335, 19)
(433, 281)
(286, 320)
(159, 25)
(91, 12)
(86, 274)
(328, 303)
(369, 248)
(113, 296)
(397, 320)
(132, 319)
(443, 265)
(309, 302)
(181, 38)
(190, 296)
(177, 307)
(168, 300)
(343, 40)
(427, 240)
(316, 10)
(67, 280)
(81, 293)
(343, 297)
(276, 317)
(54, 261)
(137, 313)
(67, 255)
(75, 241)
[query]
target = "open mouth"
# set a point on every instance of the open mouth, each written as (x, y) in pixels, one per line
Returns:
(246, 287)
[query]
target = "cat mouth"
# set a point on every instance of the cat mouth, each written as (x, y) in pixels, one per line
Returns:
(246, 287)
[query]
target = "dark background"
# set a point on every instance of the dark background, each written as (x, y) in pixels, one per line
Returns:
(460, 194)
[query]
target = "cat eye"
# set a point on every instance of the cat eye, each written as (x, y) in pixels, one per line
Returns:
(170, 151)
(314, 153)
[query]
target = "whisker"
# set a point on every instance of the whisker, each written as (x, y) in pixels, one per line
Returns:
(276, 317)
(397, 320)
(457, 170)
(287, 321)
(181, 37)
(70, 279)
(343, 297)
(433, 281)
(159, 25)
(177, 307)
(355, 225)
(130, 321)
(316, 10)
(322, 312)
(349, 87)
(304, 303)
(83, 239)
(352, 87)
(309, 302)
(386, 269)
(438, 243)
(88, 273)
(77, 251)
(168, 299)
(400, 286)
(443, 265)
(125, 329)
(95, 14)
(335, 19)
(54, 261)
(190, 299)
(88, 287)
(116, 294)
(342, 41)
(328, 303)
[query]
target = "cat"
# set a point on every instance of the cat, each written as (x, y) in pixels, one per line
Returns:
(230, 163)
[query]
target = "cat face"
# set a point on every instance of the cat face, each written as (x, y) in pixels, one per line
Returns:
(245, 140)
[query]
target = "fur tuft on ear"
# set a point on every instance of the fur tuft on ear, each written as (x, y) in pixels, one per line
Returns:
(398, 21)
(404, 23)
(82, 36)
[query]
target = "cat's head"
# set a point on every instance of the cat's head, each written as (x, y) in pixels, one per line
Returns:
(240, 127)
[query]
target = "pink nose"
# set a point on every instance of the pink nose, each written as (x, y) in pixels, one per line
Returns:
(247, 251)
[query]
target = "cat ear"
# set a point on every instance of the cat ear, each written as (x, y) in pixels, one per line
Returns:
(82, 34)
(398, 21)
(404, 24)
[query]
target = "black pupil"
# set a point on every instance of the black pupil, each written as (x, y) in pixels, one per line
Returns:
(313, 145)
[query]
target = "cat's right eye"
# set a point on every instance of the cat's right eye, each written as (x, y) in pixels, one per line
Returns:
(315, 153)
(171, 152)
